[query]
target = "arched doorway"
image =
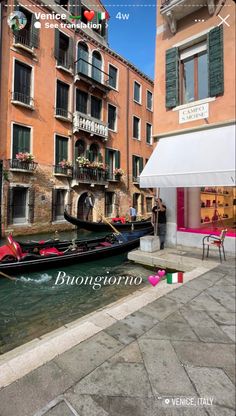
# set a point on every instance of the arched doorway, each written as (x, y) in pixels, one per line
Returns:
(81, 207)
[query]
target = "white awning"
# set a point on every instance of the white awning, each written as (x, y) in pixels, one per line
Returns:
(200, 158)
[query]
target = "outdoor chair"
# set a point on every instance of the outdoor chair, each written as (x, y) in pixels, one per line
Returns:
(214, 241)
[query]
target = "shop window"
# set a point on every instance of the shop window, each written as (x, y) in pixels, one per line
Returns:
(62, 99)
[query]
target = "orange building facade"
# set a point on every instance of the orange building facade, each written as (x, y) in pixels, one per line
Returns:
(195, 92)
(75, 118)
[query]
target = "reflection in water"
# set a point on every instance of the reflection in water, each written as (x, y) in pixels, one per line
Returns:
(32, 305)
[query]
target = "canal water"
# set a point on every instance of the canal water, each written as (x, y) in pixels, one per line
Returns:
(33, 305)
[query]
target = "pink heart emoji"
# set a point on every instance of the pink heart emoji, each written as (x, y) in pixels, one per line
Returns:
(89, 15)
(161, 273)
(154, 280)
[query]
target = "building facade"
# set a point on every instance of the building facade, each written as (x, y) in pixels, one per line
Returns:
(194, 94)
(81, 110)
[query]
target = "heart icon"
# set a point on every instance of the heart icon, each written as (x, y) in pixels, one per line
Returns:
(154, 280)
(161, 273)
(89, 15)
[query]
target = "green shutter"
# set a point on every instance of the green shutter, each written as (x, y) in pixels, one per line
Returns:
(56, 45)
(140, 165)
(117, 159)
(71, 53)
(61, 149)
(34, 33)
(215, 61)
(134, 167)
(172, 78)
(21, 140)
(107, 157)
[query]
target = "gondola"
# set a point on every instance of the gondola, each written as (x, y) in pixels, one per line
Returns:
(14, 260)
(101, 226)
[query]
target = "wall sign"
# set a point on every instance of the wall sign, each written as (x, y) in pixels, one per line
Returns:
(196, 112)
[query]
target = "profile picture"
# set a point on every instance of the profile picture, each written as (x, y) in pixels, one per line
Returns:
(17, 20)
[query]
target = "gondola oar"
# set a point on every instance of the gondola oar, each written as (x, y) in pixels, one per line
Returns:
(7, 276)
(117, 232)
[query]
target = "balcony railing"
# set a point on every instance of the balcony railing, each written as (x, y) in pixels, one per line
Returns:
(113, 178)
(92, 74)
(17, 164)
(89, 175)
(63, 171)
(26, 38)
(18, 97)
(90, 124)
(62, 113)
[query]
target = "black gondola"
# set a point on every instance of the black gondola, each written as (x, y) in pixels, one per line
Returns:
(102, 226)
(86, 250)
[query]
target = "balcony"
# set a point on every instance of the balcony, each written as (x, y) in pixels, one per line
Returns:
(22, 100)
(62, 114)
(90, 125)
(113, 178)
(92, 75)
(20, 166)
(174, 10)
(26, 40)
(63, 171)
(89, 175)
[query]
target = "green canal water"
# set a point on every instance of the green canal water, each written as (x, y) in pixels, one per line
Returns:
(33, 305)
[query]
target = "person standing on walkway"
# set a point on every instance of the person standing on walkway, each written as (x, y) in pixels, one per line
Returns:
(88, 205)
(132, 213)
(159, 221)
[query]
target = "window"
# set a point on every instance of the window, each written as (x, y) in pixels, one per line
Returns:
(109, 198)
(148, 133)
(22, 83)
(61, 149)
(58, 204)
(111, 117)
(19, 205)
(79, 148)
(113, 76)
(81, 101)
(96, 107)
(29, 35)
(137, 167)
(149, 204)
(83, 59)
(194, 74)
(137, 92)
(62, 99)
(112, 161)
(63, 50)
(21, 140)
(97, 67)
(136, 128)
(149, 100)
(93, 152)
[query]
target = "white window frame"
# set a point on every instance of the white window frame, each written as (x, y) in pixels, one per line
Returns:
(140, 126)
(31, 81)
(147, 123)
(149, 109)
(116, 129)
(117, 78)
(140, 95)
(70, 71)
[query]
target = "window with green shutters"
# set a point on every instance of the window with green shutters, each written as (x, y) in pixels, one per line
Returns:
(112, 161)
(63, 50)
(137, 166)
(61, 149)
(21, 140)
(22, 83)
(113, 76)
(196, 72)
(81, 101)
(62, 99)
(111, 117)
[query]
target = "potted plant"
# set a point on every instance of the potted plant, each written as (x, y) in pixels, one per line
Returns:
(83, 162)
(25, 157)
(65, 164)
(118, 172)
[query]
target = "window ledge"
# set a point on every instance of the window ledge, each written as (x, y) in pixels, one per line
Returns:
(21, 170)
(25, 48)
(199, 102)
(136, 102)
(68, 119)
(63, 68)
(30, 107)
(112, 131)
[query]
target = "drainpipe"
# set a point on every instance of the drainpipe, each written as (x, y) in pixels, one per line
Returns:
(127, 129)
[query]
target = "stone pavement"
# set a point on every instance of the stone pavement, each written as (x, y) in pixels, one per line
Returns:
(179, 347)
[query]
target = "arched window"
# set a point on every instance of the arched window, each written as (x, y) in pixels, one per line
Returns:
(97, 66)
(93, 152)
(83, 59)
(79, 148)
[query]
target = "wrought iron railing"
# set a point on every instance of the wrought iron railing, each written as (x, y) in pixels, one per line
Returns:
(17, 164)
(22, 98)
(112, 177)
(61, 112)
(63, 170)
(26, 38)
(92, 71)
(86, 174)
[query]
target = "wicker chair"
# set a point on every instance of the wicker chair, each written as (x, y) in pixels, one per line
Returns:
(214, 241)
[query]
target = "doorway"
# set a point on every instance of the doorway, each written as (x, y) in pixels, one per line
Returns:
(81, 208)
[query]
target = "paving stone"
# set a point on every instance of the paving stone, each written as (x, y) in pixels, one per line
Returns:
(61, 409)
(129, 354)
(84, 358)
(183, 294)
(231, 372)
(85, 405)
(160, 308)
(196, 318)
(165, 372)
(116, 379)
(212, 382)
(222, 297)
(229, 330)
(224, 318)
(214, 275)
(131, 327)
(207, 303)
(209, 334)
(175, 317)
(34, 391)
(199, 283)
(172, 331)
(203, 354)
(220, 411)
